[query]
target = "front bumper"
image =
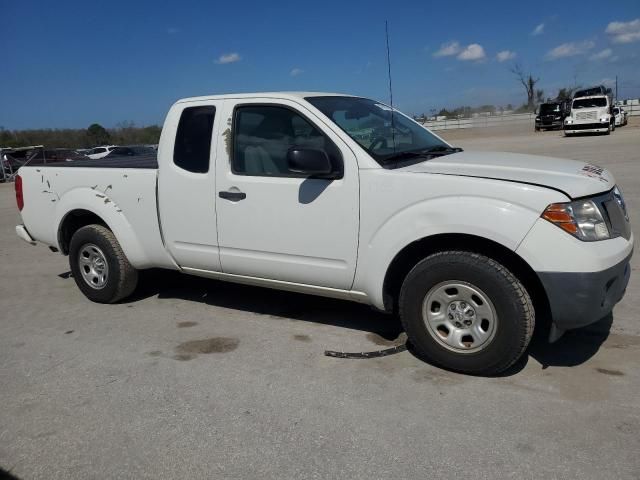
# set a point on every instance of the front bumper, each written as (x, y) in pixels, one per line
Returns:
(553, 124)
(22, 232)
(598, 127)
(581, 298)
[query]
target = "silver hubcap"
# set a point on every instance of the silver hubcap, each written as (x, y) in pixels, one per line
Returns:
(93, 266)
(459, 316)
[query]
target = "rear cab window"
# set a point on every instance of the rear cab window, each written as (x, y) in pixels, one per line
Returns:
(192, 147)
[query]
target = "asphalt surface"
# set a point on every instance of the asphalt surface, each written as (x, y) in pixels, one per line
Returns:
(194, 378)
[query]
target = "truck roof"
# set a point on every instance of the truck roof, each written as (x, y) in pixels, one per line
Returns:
(281, 95)
(591, 96)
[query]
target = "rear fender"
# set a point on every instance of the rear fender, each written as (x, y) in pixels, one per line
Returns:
(100, 204)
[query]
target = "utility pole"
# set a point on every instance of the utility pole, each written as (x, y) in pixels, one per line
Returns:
(616, 88)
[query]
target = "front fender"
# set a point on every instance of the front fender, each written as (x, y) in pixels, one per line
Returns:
(99, 203)
(498, 220)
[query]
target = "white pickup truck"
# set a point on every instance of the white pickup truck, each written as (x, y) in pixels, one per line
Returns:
(343, 197)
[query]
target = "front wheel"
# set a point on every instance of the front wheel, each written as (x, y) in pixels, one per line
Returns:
(466, 312)
(99, 266)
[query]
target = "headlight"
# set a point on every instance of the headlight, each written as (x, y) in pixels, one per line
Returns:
(604, 119)
(569, 121)
(537, 118)
(581, 218)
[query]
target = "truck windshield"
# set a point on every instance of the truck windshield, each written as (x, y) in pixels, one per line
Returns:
(370, 124)
(549, 108)
(589, 103)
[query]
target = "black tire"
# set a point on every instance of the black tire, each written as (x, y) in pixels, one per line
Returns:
(121, 277)
(515, 316)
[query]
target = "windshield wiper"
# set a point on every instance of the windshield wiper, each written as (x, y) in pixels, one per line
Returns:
(441, 149)
(405, 156)
(426, 153)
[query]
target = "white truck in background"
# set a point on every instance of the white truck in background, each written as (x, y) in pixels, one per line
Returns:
(592, 114)
(344, 197)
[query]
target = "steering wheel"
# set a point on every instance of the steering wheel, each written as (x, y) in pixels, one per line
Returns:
(378, 140)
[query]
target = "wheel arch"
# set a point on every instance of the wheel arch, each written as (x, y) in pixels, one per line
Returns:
(413, 253)
(82, 206)
(72, 222)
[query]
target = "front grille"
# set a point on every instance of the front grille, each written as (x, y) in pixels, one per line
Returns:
(586, 115)
(550, 120)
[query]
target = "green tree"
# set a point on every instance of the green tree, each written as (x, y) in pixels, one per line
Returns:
(98, 134)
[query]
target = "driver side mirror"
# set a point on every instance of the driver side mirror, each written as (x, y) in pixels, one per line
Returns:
(310, 161)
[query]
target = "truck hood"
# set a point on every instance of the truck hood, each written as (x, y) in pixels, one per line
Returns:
(575, 179)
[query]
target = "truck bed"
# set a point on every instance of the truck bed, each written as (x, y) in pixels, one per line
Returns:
(121, 191)
(138, 161)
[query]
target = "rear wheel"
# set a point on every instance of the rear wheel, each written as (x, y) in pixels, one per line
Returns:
(99, 266)
(466, 312)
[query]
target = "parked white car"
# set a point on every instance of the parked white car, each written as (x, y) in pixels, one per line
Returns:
(337, 196)
(100, 152)
(590, 115)
(620, 116)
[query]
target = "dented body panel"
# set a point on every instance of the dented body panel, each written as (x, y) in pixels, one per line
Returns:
(124, 199)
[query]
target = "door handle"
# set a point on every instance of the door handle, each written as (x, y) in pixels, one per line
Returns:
(233, 196)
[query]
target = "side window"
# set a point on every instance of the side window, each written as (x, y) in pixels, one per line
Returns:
(264, 134)
(99, 150)
(193, 139)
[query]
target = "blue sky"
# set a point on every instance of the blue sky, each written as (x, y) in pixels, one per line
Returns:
(69, 64)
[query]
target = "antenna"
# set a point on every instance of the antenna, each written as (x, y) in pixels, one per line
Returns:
(393, 129)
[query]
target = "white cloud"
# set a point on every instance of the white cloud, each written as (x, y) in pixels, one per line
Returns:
(539, 30)
(569, 49)
(228, 58)
(624, 32)
(448, 49)
(472, 52)
(295, 72)
(606, 53)
(505, 55)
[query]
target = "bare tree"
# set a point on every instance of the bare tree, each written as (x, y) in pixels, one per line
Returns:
(528, 82)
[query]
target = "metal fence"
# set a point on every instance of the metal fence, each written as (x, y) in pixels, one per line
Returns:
(500, 120)
(480, 122)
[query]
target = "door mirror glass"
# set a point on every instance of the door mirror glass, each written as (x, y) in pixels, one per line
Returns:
(309, 161)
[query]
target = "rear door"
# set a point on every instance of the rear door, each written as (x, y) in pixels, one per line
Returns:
(186, 184)
(273, 223)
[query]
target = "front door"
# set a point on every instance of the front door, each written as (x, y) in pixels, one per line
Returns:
(273, 223)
